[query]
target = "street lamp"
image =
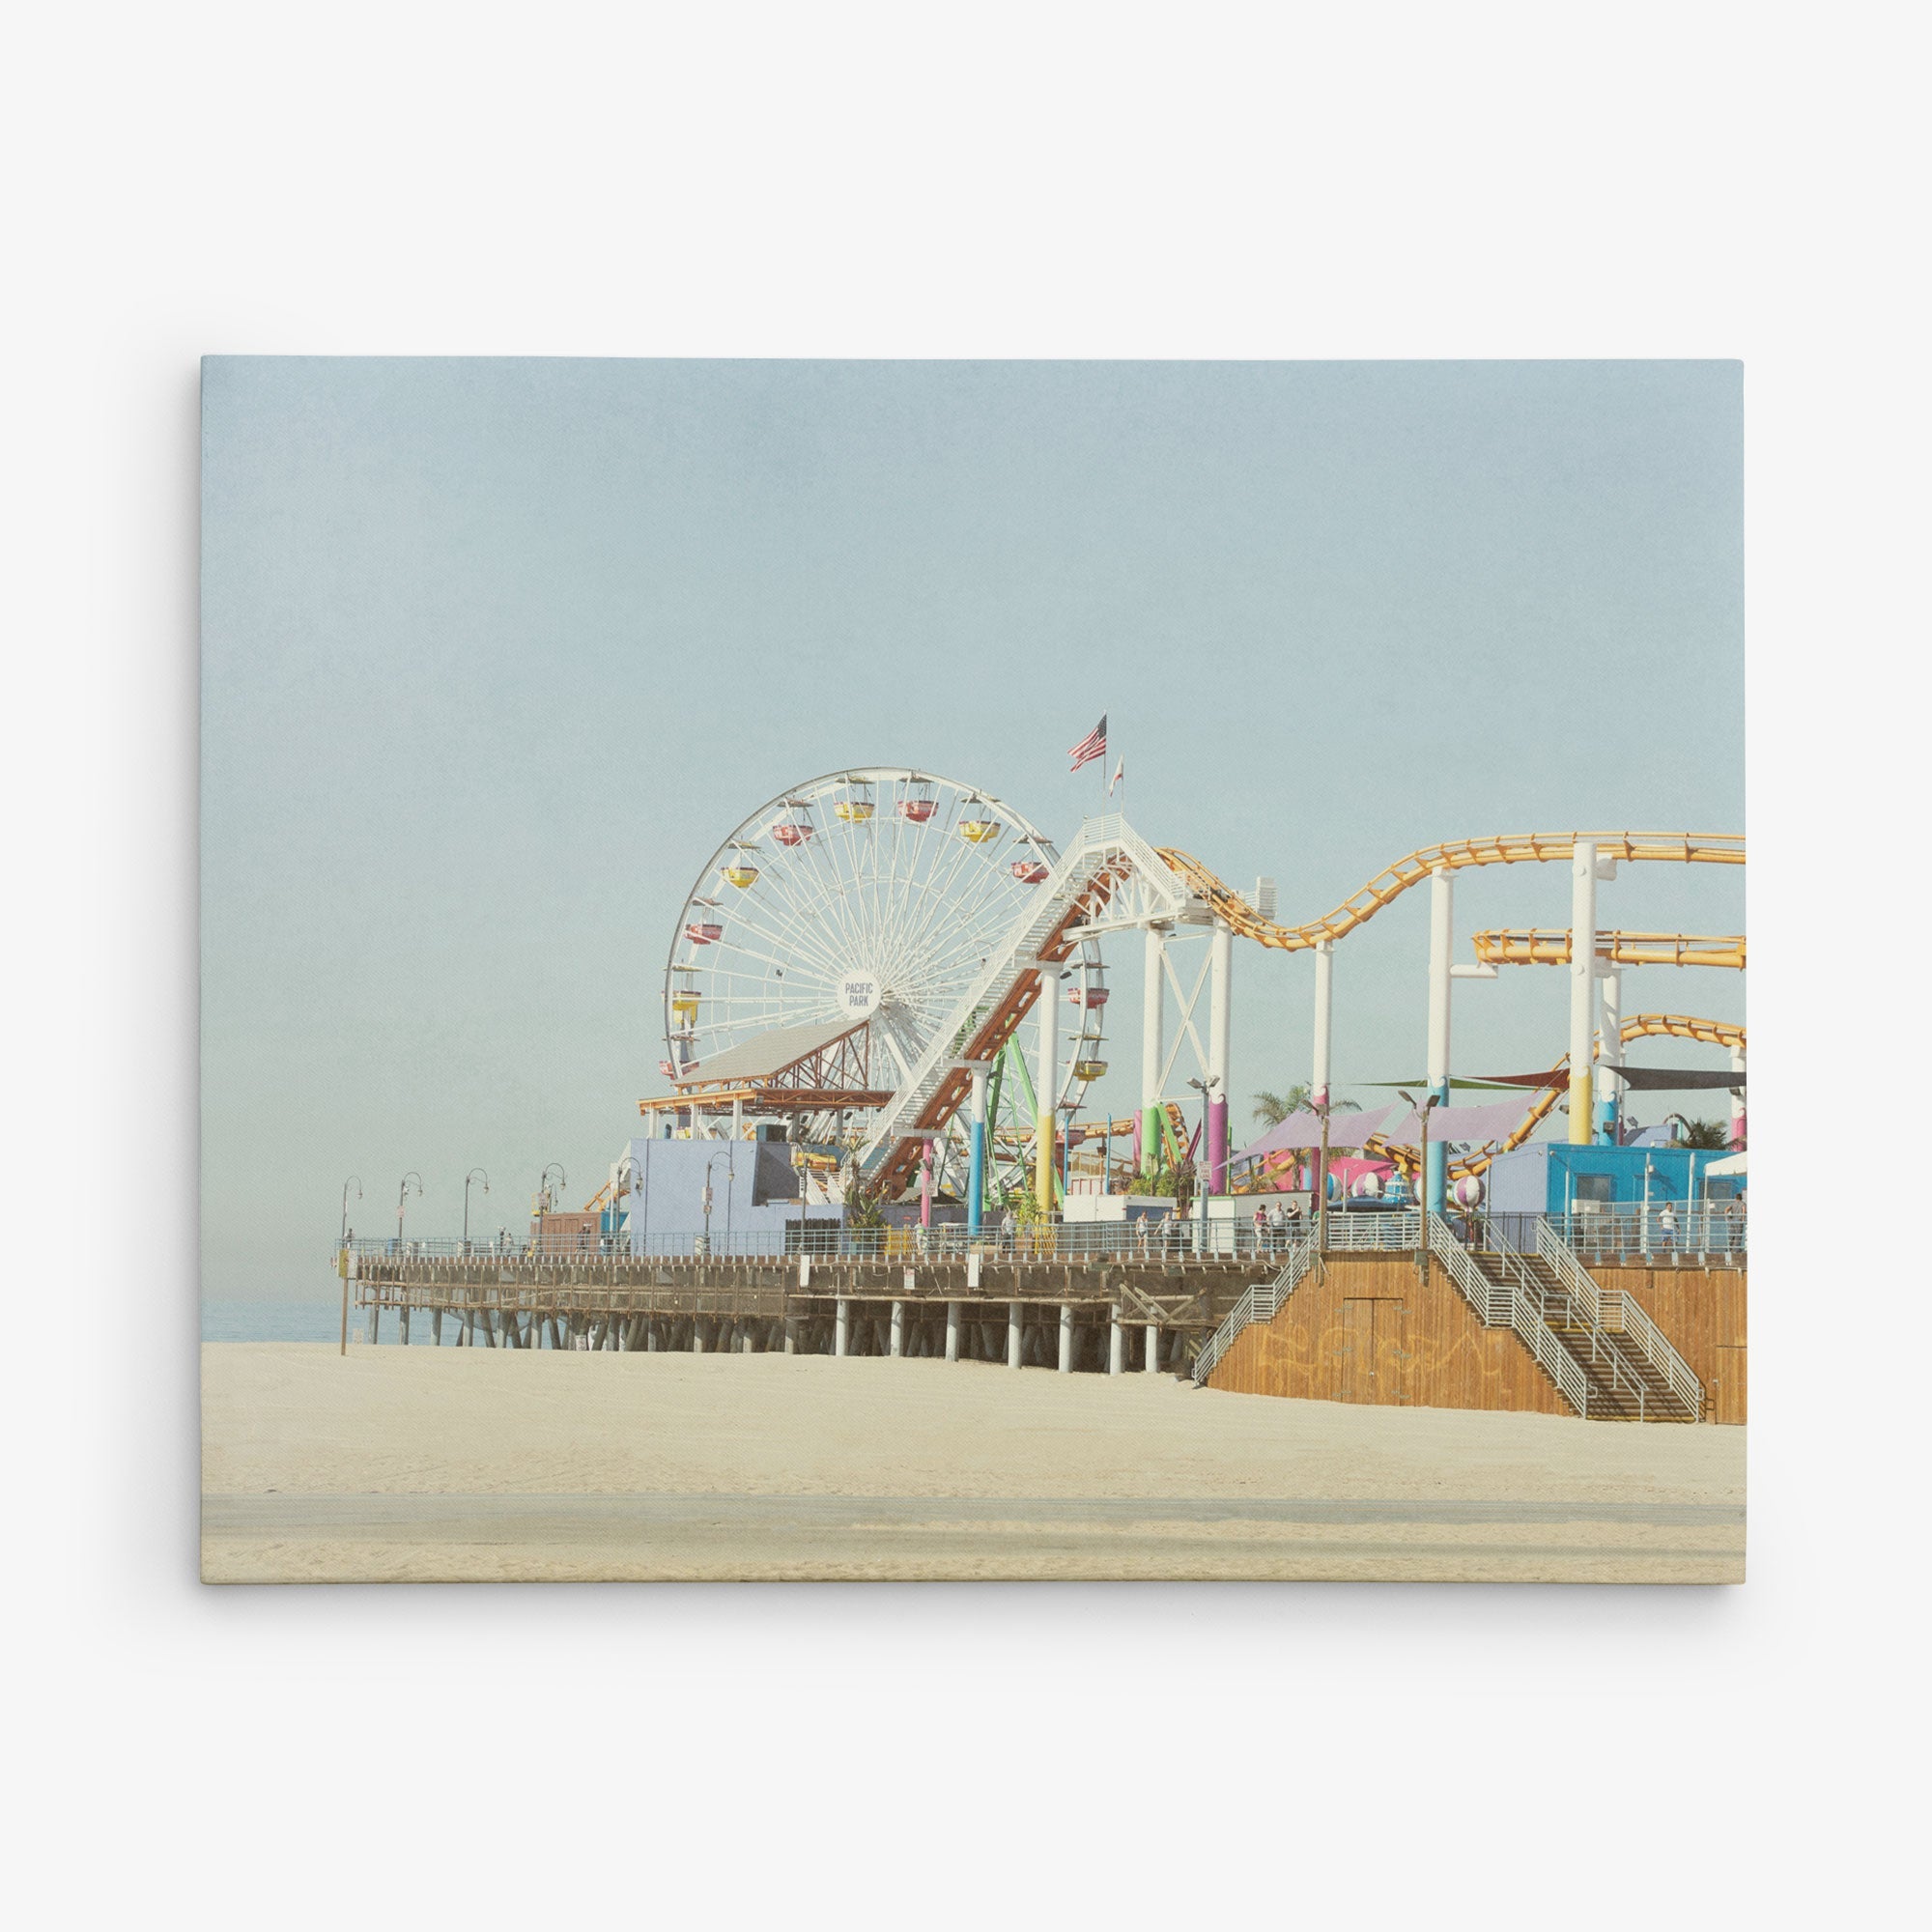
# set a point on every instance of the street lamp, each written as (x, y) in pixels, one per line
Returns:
(705, 1201)
(354, 1181)
(401, 1195)
(1423, 1108)
(472, 1174)
(1206, 1088)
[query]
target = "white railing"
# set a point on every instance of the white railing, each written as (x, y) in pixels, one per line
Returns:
(1143, 1239)
(1523, 1316)
(1382, 1229)
(1260, 1303)
(1624, 1317)
(1577, 1280)
(1617, 1313)
(1661, 1228)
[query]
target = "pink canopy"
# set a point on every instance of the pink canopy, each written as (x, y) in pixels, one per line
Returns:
(1304, 1131)
(1475, 1124)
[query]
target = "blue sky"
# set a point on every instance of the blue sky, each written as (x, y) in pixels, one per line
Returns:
(495, 652)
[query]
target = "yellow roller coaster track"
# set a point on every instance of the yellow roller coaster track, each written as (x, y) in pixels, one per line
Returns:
(1682, 848)
(1537, 947)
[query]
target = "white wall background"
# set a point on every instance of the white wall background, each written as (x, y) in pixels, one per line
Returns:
(859, 180)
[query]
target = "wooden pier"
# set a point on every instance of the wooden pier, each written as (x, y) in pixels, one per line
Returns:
(1104, 1314)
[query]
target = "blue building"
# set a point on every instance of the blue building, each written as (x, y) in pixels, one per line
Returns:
(753, 1191)
(1560, 1177)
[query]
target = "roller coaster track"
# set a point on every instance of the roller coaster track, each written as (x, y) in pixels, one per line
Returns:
(1543, 947)
(1681, 848)
(1111, 855)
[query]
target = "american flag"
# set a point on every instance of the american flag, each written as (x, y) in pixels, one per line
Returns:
(1092, 746)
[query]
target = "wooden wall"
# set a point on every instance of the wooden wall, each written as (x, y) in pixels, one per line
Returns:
(1368, 1330)
(1701, 1312)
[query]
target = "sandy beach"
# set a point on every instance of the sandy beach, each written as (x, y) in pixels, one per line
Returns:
(452, 1464)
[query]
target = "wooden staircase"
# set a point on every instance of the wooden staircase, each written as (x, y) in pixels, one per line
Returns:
(1629, 1372)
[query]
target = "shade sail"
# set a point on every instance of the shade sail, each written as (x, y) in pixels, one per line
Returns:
(1490, 1083)
(1304, 1131)
(1672, 1079)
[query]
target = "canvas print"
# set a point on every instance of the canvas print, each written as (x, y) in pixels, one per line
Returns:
(973, 971)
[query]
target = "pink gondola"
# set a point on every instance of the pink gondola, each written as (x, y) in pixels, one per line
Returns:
(703, 933)
(793, 831)
(1030, 872)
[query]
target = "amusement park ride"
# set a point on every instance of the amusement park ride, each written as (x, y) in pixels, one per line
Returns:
(853, 966)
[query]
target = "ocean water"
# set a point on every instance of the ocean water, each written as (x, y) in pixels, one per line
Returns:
(280, 1322)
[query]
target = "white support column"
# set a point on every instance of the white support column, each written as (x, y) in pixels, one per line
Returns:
(898, 1329)
(1441, 941)
(1324, 1017)
(1582, 986)
(1152, 1048)
(791, 1335)
(1609, 1046)
(1220, 993)
(1066, 1338)
(952, 1331)
(1046, 1084)
(650, 1338)
(1152, 1348)
(839, 1326)
(1117, 1343)
(1012, 1334)
(697, 1335)
(1738, 1100)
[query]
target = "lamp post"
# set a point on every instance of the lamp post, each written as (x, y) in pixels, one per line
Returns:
(1423, 1108)
(705, 1202)
(1206, 1088)
(472, 1174)
(401, 1195)
(342, 1253)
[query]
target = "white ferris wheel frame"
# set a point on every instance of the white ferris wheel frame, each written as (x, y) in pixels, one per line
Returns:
(820, 907)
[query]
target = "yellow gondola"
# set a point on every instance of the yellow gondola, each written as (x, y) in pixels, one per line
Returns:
(979, 828)
(856, 806)
(1089, 1069)
(684, 1005)
(740, 876)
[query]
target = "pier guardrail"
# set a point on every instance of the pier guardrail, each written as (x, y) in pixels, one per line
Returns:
(1148, 1240)
(1681, 1232)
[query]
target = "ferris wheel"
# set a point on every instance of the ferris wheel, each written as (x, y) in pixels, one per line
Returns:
(874, 896)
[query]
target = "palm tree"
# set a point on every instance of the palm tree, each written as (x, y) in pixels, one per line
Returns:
(1271, 1109)
(1704, 1133)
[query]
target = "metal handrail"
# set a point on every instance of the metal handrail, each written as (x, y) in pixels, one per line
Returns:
(1631, 1320)
(1145, 1239)
(1656, 1349)
(1523, 1315)
(1577, 1280)
(1662, 1227)
(1260, 1303)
